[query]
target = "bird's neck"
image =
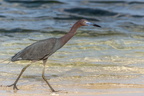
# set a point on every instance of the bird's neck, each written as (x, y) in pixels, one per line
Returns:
(71, 33)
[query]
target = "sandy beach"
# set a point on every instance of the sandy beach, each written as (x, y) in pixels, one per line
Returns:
(76, 90)
(31, 84)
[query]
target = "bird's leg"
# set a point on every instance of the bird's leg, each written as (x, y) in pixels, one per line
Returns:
(43, 76)
(14, 84)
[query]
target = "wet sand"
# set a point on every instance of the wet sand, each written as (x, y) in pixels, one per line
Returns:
(88, 80)
(31, 84)
(99, 89)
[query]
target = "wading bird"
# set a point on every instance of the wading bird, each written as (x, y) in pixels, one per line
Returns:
(42, 49)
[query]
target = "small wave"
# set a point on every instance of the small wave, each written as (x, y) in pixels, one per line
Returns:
(98, 12)
(118, 2)
(33, 1)
(2, 16)
(90, 11)
(75, 17)
(107, 2)
(16, 30)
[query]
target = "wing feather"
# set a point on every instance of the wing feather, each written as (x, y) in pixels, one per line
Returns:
(36, 51)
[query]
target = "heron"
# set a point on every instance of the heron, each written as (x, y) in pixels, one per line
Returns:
(43, 49)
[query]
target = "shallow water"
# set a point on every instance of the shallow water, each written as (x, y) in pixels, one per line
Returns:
(97, 60)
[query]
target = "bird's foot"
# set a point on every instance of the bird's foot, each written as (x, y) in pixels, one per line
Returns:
(57, 92)
(14, 86)
(54, 90)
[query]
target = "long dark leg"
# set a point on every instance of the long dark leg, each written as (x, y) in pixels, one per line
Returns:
(43, 76)
(14, 84)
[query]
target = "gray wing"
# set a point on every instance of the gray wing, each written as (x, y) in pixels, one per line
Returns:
(37, 51)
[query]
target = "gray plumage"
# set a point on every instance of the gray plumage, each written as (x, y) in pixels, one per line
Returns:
(39, 50)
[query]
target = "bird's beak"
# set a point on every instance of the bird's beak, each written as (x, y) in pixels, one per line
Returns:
(92, 24)
(96, 25)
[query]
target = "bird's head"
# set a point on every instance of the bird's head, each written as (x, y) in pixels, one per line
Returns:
(84, 22)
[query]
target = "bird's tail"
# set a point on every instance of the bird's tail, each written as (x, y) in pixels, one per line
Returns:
(16, 57)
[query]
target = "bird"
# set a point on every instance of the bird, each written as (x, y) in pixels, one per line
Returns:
(43, 49)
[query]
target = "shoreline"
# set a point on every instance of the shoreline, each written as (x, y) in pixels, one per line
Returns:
(98, 89)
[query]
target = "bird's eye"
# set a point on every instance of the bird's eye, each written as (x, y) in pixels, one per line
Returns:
(84, 22)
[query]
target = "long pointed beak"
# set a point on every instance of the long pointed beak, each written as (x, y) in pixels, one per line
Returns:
(92, 24)
(96, 25)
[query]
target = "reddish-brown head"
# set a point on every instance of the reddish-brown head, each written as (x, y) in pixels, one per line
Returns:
(84, 22)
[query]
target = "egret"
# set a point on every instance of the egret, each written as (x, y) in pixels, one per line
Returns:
(43, 49)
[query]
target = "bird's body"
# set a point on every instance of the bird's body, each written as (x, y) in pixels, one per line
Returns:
(42, 49)
(39, 50)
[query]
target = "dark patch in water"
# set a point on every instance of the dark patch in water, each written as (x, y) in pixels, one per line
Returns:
(97, 12)
(107, 2)
(16, 30)
(1, 16)
(135, 2)
(75, 17)
(33, 3)
(137, 16)
(92, 12)
(118, 2)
